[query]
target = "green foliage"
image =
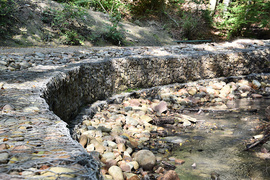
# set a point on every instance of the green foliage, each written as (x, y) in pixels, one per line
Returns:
(64, 20)
(142, 7)
(112, 33)
(193, 21)
(241, 16)
(189, 25)
(6, 16)
(106, 6)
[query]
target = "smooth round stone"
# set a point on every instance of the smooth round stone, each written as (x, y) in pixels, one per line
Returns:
(7, 108)
(11, 121)
(129, 150)
(146, 118)
(31, 109)
(90, 148)
(121, 147)
(131, 121)
(131, 176)
(87, 123)
(161, 107)
(25, 65)
(103, 128)
(117, 130)
(60, 170)
(90, 133)
(30, 172)
(112, 144)
(100, 148)
(125, 167)
(169, 175)
(135, 164)
(108, 155)
(146, 159)
(128, 108)
(192, 91)
(83, 140)
(256, 84)
(116, 173)
(3, 157)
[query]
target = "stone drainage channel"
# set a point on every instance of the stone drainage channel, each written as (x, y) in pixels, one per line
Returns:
(195, 130)
(41, 93)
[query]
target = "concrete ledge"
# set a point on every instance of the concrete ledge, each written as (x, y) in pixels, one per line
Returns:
(38, 103)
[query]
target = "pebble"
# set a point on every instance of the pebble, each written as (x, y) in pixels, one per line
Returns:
(108, 155)
(4, 157)
(61, 171)
(8, 108)
(116, 173)
(146, 159)
(169, 175)
(131, 131)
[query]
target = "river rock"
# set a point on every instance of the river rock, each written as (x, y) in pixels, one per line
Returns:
(3, 157)
(169, 175)
(116, 173)
(110, 163)
(99, 148)
(146, 118)
(112, 144)
(129, 150)
(83, 140)
(3, 146)
(192, 90)
(90, 147)
(146, 159)
(60, 170)
(135, 164)
(108, 155)
(119, 139)
(131, 176)
(121, 147)
(256, 84)
(134, 102)
(256, 96)
(131, 121)
(161, 107)
(125, 167)
(225, 91)
(179, 161)
(217, 85)
(244, 88)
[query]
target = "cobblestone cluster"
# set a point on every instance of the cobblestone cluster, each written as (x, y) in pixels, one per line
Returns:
(37, 88)
(140, 131)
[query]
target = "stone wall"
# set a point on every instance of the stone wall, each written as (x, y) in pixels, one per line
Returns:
(92, 81)
(37, 88)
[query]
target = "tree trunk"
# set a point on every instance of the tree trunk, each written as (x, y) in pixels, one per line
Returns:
(212, 5)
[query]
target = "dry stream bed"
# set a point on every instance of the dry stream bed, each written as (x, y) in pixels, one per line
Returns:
(196, 130)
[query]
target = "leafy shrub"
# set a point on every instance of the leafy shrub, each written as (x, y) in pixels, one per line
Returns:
(189, 25)
(141, 7)
(112, 34)
(241, 16)
(7, 8)
(64, 20)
